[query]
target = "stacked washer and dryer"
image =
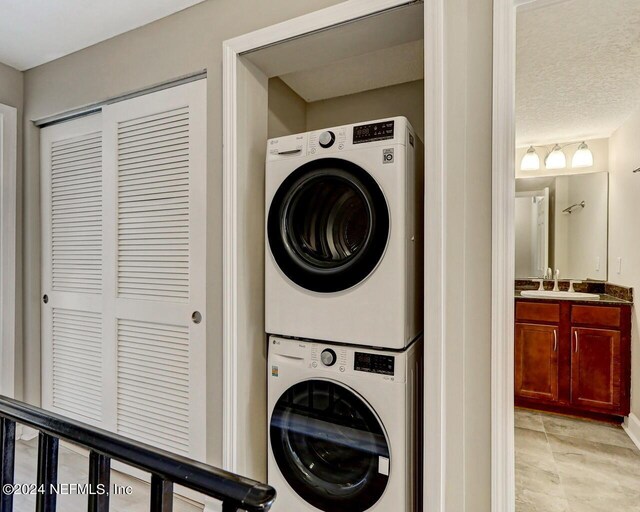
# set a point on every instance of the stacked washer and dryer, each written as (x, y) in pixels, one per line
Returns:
(343, 294)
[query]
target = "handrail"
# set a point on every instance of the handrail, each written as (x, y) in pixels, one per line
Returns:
(235, 492)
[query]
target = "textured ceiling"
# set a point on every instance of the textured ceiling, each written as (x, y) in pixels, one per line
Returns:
(578, 69)
(33, 32)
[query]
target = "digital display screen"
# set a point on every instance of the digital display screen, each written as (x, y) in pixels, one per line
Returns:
(374, 363)
(372, 132)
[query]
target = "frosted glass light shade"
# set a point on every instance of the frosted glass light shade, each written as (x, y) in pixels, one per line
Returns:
(530, 161)
(556, 159)
(583, 157)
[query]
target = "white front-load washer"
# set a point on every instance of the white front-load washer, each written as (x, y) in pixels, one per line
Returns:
(343, 232)
(344, 427)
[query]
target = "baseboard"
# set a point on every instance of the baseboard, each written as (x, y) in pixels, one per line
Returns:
(631, 426)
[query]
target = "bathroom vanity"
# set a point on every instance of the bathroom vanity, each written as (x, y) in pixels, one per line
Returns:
(573, 356)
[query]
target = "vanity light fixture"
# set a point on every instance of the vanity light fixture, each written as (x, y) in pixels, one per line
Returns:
(556, 159)
(530, 161)
(583, 157)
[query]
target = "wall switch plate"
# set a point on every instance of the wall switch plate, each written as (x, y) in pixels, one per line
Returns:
(619, 265)
(597, 263)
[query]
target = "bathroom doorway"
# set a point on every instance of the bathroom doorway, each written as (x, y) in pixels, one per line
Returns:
(575, 229)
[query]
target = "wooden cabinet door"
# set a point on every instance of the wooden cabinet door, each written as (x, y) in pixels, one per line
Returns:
(536, 365)
(595, 368)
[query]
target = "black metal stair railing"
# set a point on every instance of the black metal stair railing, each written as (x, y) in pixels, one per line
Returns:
(166, 469)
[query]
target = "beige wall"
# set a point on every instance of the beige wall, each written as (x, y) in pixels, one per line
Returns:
(11, 86)
(287, 110)
(12, 94)
(185, 42)
(624, 237)
(289, 113)
(396, 100)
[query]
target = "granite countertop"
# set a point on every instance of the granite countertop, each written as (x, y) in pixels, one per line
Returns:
(610, 294)
(604, 300)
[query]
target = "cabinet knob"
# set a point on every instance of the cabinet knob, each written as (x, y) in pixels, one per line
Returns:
(196, 317)
(45, 298)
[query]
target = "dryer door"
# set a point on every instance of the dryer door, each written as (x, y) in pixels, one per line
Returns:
(328, 225)
(330, 446)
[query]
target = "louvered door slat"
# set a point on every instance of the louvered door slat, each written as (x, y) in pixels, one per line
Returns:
(77, 367)
(72, 197)
(143, 368)
(143, 199)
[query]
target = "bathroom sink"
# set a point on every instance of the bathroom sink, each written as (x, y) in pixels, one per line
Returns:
(548, 294)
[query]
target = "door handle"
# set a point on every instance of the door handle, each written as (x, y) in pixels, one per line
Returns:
(555, 340)
(575, 335)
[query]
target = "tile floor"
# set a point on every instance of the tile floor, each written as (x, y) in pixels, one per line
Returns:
(73, 468)
(570, 465)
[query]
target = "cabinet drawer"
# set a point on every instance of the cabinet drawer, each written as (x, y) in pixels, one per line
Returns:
(596, 316)
(537, 312)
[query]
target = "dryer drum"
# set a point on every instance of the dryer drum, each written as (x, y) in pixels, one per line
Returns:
(329, 446)
(328, 225)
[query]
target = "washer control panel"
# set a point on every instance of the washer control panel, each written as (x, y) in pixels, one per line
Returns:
(290, 355)
(374, 363)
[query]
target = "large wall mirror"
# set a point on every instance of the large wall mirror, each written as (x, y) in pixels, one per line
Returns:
(562, 223)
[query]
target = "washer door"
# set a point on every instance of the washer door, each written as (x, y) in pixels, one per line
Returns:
(330, 446)
(328, 225)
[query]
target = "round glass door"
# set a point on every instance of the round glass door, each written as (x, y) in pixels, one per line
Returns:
(330, 446)
(328, 225)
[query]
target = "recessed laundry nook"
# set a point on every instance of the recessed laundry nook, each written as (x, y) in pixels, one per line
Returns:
(343, 253)
(335, 193)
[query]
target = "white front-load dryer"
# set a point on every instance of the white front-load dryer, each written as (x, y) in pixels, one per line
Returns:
(343, 233)
(344, 427)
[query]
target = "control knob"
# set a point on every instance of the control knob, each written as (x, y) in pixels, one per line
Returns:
(327, 139)
(328, 357)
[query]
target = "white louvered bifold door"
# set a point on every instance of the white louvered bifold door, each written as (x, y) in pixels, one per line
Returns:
(155, 183)
(73, 345)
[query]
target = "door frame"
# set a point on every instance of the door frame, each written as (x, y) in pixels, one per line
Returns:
(243, 89)
(503, 249)
(8, 245)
